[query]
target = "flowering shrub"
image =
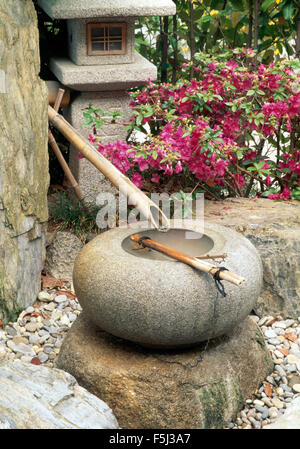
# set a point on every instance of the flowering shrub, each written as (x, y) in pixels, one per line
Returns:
(231, 131)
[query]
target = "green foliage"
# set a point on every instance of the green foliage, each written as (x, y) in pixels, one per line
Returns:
(8, 314)
(220, 24)
(72, 214)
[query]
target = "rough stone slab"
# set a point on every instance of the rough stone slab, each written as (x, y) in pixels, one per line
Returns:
(61, 255)
(274, 229)
(38, 397)
(75, 9)
(202, 387)
(24, 171)
(290, 419)
(103, 77)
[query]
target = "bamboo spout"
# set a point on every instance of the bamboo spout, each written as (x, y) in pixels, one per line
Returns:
(135, 196)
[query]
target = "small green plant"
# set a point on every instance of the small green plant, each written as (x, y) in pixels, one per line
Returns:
(69, 213)
(8, 314)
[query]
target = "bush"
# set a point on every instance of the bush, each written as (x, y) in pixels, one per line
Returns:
(231, 131)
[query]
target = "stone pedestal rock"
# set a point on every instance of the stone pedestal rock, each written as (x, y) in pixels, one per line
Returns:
(202, 387)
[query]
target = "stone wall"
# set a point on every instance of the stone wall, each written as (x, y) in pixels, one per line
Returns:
(24, 175)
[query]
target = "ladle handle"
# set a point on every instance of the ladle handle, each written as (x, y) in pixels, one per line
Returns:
(190, 260)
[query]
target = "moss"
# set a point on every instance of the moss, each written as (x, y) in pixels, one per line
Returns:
(217, 400)
(267, 357)
(8, 314)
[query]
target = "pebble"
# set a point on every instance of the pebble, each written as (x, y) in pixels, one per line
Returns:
(60, 298)
(280, 370)
(31, 326)
(43, 357)
(296, 388)
(270, 333)
(291, 359)
(45, 296)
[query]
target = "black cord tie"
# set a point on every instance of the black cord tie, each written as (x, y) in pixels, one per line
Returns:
(218, 282)
(140, 240)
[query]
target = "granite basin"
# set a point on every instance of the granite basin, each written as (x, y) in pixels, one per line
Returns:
(152, 300)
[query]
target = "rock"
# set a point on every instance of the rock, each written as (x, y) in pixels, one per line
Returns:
(24, 174)
(31, 326)
(43, 357)
(296, 388)
(274, 229)
(60, 298)
(24, 349)
(273, 412)
(291, 359)
(61, 254)
(45, 296)
(3, 352)
(37, 397)
(290, 419)
(158, 302)
(18, 339)
(269, 333)
(200, 387)
(277, 402)
(65, 320)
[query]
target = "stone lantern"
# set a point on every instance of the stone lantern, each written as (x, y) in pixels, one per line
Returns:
(101, 66)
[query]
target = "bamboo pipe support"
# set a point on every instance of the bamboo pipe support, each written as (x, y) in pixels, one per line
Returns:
(58, 153)
(189, 260)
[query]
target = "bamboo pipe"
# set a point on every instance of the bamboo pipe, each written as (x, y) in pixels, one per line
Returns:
(64, 165)
(189, 260)
(55, 147)
(53, 87)
(135, 196)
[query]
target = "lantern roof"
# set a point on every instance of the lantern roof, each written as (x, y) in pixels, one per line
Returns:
(80, 9)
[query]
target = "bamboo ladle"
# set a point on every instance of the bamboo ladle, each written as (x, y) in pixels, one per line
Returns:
(190, 260)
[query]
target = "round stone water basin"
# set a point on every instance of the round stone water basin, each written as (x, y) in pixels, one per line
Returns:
(148, 298)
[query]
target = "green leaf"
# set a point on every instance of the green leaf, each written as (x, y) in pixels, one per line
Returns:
(266, 4)
(288, 11)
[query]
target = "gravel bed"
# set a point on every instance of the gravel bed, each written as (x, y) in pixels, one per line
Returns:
(38, 333)
(278, 390)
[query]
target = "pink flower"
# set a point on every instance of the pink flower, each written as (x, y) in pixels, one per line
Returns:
(268, 181)
(178, 167)
(137, 179)
(143, 164)
(92, 138)
(155, 178)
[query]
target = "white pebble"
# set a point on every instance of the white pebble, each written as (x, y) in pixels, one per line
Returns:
(60, 298)
(292, 359)
(277, 403)
(269, 333)
(296, 388)
(45, 297)
(65, 320)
